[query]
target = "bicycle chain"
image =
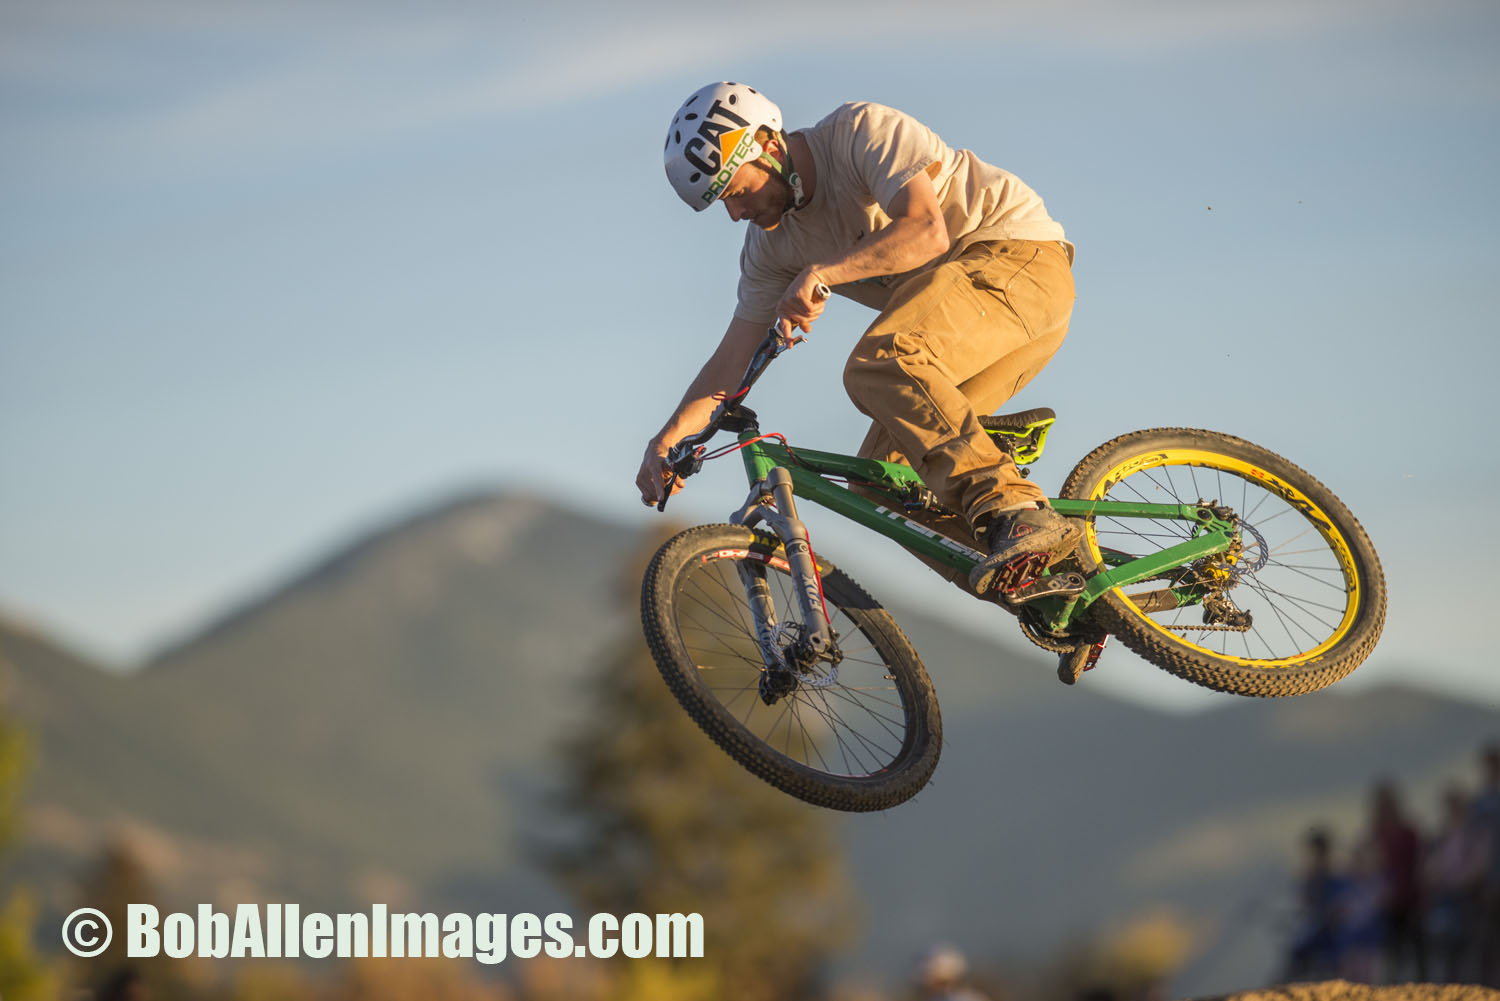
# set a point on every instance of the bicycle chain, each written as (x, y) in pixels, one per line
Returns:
(1202, 627)
(1043, 640)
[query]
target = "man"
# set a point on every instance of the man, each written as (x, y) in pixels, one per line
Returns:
(941, 973)
(1486, 815)
(971, 276)
(1321, 892)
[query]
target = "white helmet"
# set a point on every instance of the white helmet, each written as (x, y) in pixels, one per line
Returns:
(943, 964)
(712, 136)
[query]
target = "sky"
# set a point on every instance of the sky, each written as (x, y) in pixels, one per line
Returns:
(273, 273)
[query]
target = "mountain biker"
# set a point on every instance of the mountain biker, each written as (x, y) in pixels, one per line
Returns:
(972, 278)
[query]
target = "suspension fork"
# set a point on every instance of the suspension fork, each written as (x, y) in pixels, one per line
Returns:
(771, 502)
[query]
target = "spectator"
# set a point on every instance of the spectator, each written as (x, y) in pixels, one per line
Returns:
(1486, 814)
(1360, 936)
(1398, 854)
(940, 976)
(1455, 869)
(1313, 953)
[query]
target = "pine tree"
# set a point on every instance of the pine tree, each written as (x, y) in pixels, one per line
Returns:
(665, 822)
(117, 880)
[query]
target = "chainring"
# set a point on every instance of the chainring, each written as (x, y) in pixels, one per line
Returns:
(1034, 630)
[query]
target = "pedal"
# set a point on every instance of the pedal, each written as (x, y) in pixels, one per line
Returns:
(1018, 573)
(1028, 586)
(1071, 665)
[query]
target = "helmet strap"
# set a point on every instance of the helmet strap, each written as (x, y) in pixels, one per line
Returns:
(785, 169)
(795, 180)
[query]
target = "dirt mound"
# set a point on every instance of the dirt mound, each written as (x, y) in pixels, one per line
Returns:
(1342, 990)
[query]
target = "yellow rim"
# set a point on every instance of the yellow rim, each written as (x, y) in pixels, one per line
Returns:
(1252, 473)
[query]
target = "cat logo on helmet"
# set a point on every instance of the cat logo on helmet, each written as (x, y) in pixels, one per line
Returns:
(718, 121)
(745, 150)
(713, 134)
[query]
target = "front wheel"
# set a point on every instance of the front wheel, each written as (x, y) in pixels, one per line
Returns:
(856, 731)
(1296, 605)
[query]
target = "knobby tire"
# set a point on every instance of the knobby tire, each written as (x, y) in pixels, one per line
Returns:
(1309, 573)
(865, 736)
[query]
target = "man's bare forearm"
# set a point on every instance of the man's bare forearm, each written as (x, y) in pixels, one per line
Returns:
(719, 375)
(905, 244)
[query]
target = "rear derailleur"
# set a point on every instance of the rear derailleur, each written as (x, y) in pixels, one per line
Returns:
(1219, 610)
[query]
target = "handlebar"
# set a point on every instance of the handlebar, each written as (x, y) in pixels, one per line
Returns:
(683, 456)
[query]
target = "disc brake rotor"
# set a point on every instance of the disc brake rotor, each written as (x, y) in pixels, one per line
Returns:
(787, 636)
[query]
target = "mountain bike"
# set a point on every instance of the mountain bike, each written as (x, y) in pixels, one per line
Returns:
(1209, 556)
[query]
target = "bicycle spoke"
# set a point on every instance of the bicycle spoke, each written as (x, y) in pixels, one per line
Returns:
(1287, 577)
(880, 720)
(849, 719)
(832, 717)
(1300, 572)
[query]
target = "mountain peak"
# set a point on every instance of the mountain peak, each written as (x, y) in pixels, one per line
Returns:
(404, 555)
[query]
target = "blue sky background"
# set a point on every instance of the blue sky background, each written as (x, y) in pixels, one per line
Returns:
(273, 273)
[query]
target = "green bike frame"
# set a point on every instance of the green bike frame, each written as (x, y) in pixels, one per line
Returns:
(1211, 534)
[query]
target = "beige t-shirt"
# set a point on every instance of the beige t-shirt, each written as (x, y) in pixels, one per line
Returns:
(864, 154)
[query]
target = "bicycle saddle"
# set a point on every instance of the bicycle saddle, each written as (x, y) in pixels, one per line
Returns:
(1022, 434)
(1020, 421)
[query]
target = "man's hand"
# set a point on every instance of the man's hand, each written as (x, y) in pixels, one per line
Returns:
(801, 304)
(655, 473)
(917, 235)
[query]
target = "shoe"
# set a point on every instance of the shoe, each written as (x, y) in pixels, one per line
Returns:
(1022, 544)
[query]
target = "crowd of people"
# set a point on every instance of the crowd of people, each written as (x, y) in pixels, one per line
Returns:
(1401, 904)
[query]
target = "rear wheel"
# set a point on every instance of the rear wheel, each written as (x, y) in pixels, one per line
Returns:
(1297, 606)
(858, 733)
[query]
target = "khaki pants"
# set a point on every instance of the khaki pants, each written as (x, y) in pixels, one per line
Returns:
(952, 343)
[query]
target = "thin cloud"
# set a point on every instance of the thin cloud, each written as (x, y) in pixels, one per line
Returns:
(136, 85)
(305, 91)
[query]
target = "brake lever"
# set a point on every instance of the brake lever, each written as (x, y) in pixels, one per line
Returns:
(683, 465)
(662, 504)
